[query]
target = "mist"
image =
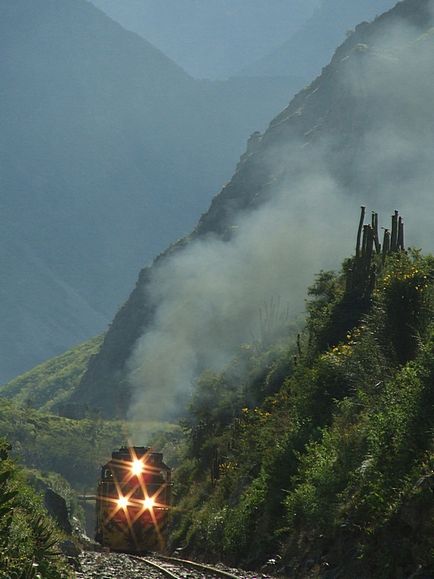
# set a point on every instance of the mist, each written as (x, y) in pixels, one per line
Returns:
(207, 296)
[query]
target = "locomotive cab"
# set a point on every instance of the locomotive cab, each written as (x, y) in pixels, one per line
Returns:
(133, 499)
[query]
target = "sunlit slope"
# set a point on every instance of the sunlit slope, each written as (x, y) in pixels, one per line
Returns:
(53, 382)
(361, 130)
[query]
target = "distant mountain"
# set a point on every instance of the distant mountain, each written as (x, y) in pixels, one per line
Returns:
(215, 38)
(108, 152)
(309, 49)
(362, 131)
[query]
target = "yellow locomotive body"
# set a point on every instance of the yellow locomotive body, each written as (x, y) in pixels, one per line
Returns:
(132, 502)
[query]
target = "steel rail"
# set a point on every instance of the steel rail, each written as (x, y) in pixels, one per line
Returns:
(199, 567)
(182, 563)
(155, 566)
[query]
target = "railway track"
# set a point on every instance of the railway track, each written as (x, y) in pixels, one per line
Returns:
(98, 565)
(175, 568)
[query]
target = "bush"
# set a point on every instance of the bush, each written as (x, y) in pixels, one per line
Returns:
(335, 468)
(28, 537)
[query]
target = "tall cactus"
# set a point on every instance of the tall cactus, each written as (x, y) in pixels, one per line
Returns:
(376, 236)
(362, 271)
(401, 245)
(364, 241)
(369, 244)
(386, 243)
(394, 238)
(359, 231)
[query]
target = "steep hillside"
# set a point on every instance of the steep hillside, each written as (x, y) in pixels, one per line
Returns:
(318, 462)
(360, 129)
(101, 141)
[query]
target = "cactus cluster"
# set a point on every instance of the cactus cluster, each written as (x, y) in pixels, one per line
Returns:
(393, 240)
(362, 273)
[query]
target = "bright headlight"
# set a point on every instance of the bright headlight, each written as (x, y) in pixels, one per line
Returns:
(148, 503)
(137, 467)
(123, 502)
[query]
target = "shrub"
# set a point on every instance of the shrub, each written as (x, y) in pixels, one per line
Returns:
(28, 537)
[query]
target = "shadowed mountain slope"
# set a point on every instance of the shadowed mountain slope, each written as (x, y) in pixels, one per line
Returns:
(108, 152)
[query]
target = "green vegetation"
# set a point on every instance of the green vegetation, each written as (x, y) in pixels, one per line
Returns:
(75, 449)
(316, 447)
(53, 382)
(322, 451)
(58, 453)
(28, 537)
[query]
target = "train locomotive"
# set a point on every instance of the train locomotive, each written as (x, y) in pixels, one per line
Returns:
(132, 501)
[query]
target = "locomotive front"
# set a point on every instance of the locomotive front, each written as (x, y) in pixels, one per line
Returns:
(132, 503)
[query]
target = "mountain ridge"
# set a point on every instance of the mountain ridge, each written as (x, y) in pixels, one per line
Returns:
(215, 39)
(338, 111)
(319, 36)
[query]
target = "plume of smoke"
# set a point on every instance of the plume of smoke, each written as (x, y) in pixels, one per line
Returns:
(207, 296)
(394, 85)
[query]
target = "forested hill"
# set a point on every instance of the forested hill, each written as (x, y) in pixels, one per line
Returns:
(361, 129)
(101, 139)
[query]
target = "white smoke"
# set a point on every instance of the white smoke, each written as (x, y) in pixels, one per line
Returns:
(208, 295)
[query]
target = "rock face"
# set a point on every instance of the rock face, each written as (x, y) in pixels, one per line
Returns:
(101, 137)
(54, 503)
(56, 506)
(372, 127)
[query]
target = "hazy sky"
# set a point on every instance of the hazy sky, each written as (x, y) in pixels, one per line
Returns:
(211, 38)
